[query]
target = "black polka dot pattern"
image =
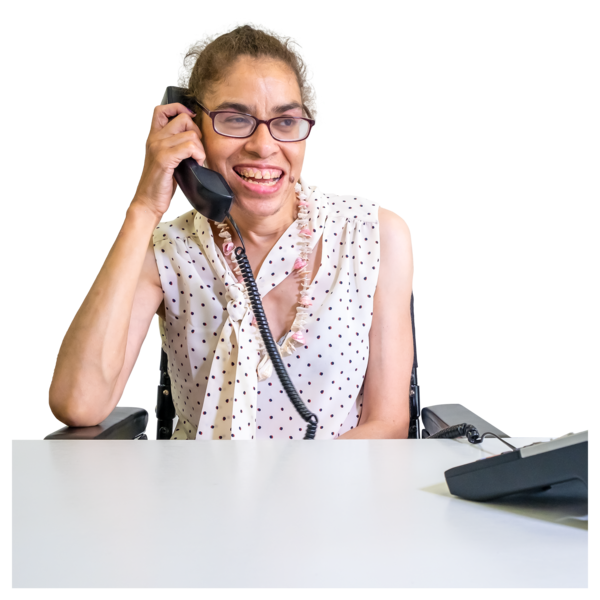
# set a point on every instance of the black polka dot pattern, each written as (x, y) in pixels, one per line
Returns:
(211, 345)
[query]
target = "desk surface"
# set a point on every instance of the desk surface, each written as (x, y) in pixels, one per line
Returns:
(352, 513)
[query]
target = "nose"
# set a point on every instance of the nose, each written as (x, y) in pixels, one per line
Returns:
(261, 142)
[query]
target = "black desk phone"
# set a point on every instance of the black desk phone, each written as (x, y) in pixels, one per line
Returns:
(209, 193)
(532, 468)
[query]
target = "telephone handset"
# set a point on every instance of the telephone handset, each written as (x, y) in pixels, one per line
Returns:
(209, 194)
(206, 190)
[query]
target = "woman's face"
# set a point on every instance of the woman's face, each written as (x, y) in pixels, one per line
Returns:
(264, 88)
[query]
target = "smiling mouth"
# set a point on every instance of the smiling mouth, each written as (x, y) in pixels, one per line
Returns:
(267, 182)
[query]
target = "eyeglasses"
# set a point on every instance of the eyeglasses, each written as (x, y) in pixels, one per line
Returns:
(239, 125)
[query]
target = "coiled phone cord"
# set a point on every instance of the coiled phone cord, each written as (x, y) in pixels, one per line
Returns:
(270, 344)
(470, 431)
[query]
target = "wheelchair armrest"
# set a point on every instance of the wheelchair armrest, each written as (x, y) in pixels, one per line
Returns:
(123, 423)
(441, 416)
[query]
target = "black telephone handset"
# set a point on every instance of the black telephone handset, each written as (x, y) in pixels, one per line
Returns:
(206, 190)
(209, 194)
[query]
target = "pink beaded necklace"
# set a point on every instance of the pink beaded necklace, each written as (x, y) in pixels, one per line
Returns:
(300, 266)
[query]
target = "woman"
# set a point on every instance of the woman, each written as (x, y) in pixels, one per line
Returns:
(335, 273)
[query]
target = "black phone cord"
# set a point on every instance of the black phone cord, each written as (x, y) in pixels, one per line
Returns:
(270, 344)
(470, 431)
(455, 431)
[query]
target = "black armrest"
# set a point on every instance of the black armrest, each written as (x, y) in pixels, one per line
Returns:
(441, 416)
(126, 423)
(123, 423)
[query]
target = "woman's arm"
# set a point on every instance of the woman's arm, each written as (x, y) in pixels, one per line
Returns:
(105, 337)
(385, 411)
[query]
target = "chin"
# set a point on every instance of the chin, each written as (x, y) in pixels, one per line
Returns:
(258, 207)
(262, 202)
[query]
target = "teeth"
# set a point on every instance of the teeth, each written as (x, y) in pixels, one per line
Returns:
(264, 182)
(246, 172)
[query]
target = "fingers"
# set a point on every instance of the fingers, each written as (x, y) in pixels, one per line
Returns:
(169, 152)
(180, 129)
(177, 125)
(180, 138)
(164, 112)
(180, 123)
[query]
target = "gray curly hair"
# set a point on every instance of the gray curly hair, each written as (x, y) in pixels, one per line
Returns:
(215, 50)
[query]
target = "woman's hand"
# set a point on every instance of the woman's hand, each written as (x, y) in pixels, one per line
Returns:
(168, 144)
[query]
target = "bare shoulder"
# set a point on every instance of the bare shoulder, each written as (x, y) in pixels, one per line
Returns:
(397, 253)
(393, 224)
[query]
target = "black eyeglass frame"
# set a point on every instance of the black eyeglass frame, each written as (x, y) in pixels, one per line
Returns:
(213, 113)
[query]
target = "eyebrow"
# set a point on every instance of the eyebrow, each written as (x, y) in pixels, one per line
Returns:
(245, 109)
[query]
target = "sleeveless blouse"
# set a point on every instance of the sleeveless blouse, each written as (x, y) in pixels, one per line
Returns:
(213, 349)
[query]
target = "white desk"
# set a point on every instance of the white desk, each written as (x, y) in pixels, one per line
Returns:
(356, 513)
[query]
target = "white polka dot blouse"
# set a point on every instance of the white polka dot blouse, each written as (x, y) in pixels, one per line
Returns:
(214, 350)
